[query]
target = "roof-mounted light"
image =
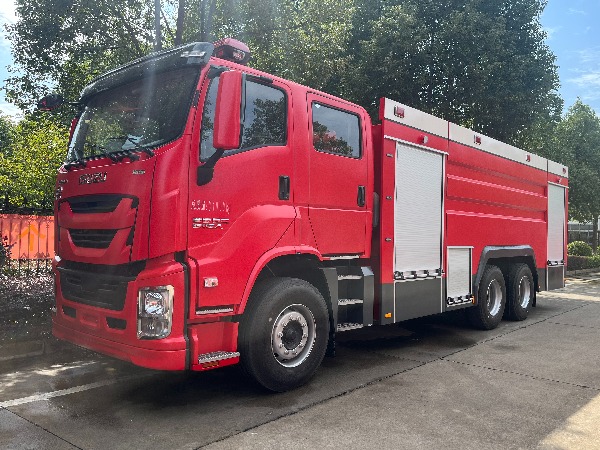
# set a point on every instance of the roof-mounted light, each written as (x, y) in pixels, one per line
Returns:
(232, 50)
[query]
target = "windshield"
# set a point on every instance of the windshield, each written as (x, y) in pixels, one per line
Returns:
(139, 115)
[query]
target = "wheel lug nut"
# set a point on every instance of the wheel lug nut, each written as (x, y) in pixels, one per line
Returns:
(280, 345)
(287, 352)
(280, 334)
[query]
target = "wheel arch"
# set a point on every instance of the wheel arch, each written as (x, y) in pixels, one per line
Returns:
(504, 257)
(304, 264)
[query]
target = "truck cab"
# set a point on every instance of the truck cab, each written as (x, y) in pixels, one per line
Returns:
(190, 179)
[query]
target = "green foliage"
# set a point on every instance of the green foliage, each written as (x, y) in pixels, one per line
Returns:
(28, 174)
(479, 63)
(577, 144)
(7, 131)
(583, 262)
(62, 44)
(579, 248)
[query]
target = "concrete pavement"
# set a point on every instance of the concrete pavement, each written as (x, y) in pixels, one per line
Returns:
(532, 384)
(429, 383)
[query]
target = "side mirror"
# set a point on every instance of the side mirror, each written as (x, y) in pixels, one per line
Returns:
(50, 102)
(227, 126)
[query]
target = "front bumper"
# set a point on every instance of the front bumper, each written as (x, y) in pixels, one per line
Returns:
(151, 359)
(110, 327)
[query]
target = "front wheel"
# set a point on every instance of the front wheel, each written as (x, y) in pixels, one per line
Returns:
(283, 334)
(491, 299)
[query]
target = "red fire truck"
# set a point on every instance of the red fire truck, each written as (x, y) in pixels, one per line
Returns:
(209, 214)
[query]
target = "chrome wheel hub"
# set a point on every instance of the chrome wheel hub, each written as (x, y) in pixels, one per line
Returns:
(293, 335)
(494, 298)
(524, 292)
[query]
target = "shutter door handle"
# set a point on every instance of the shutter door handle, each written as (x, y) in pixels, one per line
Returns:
(361, 200)
(284, 187)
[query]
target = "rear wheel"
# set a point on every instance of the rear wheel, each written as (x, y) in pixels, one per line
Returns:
(491, 299)
(520, 292)
(283, 333)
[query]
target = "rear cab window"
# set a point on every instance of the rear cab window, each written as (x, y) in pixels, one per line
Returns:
(336, 131)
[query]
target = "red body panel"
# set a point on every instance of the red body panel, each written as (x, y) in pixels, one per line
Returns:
(491, 201)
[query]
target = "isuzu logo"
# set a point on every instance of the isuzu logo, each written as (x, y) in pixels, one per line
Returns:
(207, 222)
(90, 178)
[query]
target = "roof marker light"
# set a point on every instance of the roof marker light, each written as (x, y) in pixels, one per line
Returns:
(232, 50)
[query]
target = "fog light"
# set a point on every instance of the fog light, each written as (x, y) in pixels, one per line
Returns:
(155, 312)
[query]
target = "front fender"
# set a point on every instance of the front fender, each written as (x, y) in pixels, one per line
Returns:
(233, 257)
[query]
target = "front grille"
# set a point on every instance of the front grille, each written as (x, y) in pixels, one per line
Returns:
(98, 287)
(102, 203)
(92, 238)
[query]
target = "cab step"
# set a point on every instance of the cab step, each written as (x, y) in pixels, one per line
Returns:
(350, 301)
(349, 277)
(208, 361)
(348, 326)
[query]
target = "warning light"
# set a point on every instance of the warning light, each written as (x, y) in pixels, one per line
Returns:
(399, 112)
(388, 315)
(232, 50)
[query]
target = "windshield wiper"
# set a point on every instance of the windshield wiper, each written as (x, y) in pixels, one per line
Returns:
(128, 154)
(136, 146)
(75, 163)
(104, 151)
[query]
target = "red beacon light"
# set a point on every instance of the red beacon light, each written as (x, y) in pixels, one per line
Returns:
(232, 50)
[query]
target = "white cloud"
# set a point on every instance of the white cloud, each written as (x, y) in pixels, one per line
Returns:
(577, 11)
(11, 110)
(589, 55)
(7, 16)
(7, 11)
(590, 79)
(551, 31)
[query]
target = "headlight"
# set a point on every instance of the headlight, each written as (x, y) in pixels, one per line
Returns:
(155, 312)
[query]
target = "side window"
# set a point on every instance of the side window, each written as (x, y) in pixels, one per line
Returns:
(335, 131)
(264, 118)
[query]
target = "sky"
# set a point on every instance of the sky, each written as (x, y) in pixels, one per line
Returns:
(573, 36)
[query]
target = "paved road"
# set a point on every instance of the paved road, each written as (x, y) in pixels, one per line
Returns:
(430, 383)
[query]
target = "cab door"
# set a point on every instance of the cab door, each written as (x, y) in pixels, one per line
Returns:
(338, 191)
(242, 212)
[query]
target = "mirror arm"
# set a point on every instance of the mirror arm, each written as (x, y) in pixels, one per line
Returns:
(206, 171)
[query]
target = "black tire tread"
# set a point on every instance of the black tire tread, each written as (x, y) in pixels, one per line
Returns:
(254, 358)
(478, 315)
(513, 310)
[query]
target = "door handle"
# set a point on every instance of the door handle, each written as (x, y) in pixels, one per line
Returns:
(361, 200)
(284, 187)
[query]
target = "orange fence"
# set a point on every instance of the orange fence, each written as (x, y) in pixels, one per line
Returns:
(28, 237)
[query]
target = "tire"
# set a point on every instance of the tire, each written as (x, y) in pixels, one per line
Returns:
(491, 300)
(283, 333)
(520, 292)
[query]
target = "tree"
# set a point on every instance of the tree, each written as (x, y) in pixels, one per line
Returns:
(479, 63)
(62, 44)
(7, 131)
(577, 144)
(29, 172)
